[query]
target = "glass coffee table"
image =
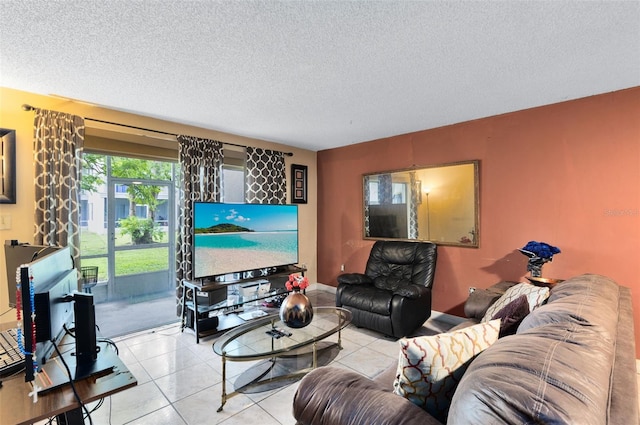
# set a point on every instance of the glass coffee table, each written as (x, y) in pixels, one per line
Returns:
(269, 338)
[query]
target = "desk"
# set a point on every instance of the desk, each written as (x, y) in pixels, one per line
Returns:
(18, 408)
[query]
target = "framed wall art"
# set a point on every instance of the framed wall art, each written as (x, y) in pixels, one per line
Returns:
(298, 184)
(7, 166)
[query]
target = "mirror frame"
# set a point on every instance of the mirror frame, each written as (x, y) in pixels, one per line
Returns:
(475, 241)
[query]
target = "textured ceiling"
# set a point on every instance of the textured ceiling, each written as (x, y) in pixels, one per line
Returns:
(320, 74)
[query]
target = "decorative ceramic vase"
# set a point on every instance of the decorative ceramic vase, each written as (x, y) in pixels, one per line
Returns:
(296, 310)
(535, 266)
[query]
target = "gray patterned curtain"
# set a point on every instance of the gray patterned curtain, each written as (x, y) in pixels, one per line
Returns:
(265, 178)
(58, 143)
(366, 190)
(200, 179)
(413, 206)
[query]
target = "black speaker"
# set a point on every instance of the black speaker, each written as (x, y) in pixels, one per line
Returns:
(85, 314)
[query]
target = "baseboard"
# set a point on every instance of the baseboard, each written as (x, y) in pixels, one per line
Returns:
(446, 318)
(436, 315)
(322, 287)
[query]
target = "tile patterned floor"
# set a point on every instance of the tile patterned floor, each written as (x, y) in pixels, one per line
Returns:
(179, 380)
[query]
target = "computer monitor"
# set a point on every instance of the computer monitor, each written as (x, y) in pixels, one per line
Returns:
(53, 279)
(19, 253)
(59, 308)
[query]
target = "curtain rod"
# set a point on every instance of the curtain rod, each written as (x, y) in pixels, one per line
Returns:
(28, 108)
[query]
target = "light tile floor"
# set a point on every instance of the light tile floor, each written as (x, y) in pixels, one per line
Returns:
(179, 381)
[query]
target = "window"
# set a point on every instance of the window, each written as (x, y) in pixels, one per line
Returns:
(233, 174)
(233, 183)
(398, 190)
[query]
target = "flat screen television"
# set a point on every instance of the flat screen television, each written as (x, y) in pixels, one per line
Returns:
(235, 238)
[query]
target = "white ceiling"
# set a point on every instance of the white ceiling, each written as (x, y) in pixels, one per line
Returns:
(320, 74)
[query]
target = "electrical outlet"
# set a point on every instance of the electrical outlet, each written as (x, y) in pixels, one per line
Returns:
(471, 290)
(341, 267)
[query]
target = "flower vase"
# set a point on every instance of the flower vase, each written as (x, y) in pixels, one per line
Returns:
(296, 310)
(535, 266)
(536, 270)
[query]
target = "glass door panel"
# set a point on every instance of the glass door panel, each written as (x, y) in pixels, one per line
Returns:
(142, 260)
(94, 232)
(141, 239)
(127, 215)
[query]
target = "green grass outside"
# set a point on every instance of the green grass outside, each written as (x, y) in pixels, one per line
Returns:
(96, 244)
(127, 262)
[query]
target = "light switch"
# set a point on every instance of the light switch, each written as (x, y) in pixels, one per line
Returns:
(5, 222)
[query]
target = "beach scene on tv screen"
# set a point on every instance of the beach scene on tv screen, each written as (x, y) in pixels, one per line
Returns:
(232, 238)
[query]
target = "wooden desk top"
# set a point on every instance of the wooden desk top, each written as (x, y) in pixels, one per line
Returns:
(18, 408)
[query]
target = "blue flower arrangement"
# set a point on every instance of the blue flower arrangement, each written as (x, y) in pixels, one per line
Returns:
(538, 253)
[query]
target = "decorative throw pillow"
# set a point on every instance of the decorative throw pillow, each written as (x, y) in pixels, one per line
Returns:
(430, 367)
(536, 295)
(511, 315)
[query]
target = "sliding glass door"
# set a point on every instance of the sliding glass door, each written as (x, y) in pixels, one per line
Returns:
(128, 231)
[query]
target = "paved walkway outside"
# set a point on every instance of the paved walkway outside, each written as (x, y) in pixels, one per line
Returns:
(127, 316)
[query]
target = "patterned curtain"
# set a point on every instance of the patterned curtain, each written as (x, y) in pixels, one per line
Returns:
(200, 179)
(385, 189)
(413, 206)
(366, 190)
(58, 143)
(265, 179)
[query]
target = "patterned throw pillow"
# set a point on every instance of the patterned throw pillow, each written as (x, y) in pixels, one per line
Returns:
(430, 367)
(511, 315)
(536, 295)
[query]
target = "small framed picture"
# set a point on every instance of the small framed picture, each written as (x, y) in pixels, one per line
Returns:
(298, 184)
(7, 166)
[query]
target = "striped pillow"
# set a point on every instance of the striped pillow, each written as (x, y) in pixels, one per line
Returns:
(430, 367)
(536, 295)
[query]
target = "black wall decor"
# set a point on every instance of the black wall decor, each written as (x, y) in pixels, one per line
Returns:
(7, 166)
(298, 184)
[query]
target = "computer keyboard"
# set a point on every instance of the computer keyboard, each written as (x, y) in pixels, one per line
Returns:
(11, 359)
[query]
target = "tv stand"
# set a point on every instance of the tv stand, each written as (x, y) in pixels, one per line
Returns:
(211, 318)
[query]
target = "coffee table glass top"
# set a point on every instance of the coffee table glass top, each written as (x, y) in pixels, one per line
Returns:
(255, 339)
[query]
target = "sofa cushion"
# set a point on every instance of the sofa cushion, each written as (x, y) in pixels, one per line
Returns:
(367, 298)
(478, 302)
(536, 295)
(331, 396)
(411, 291)
(538, 377)
(354, 279)
(584, 299)
(511, 315)
(558, 368)
(430, 367)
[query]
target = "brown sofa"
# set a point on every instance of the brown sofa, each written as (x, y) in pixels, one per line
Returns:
(572, 361)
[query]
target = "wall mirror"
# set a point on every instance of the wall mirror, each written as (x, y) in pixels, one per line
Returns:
(7, 166)
(437, 203)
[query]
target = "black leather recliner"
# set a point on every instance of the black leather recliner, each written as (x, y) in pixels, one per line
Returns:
(393, 296)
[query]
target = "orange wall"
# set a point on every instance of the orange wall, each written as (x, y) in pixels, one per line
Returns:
(567, 174)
